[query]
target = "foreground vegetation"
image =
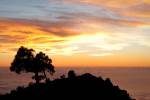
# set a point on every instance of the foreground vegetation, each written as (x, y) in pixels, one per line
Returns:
(72, 87)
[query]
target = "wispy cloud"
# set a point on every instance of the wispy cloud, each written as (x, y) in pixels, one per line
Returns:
(58, 39)
(104, 54)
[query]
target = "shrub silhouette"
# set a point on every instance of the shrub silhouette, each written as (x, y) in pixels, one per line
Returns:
(26, 61)
(71, 74)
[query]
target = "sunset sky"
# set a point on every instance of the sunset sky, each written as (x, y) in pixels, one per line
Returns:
(78, 33)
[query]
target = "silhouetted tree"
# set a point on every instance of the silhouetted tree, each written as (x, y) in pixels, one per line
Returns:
(62, 76)
(26, 61)
(71, 74)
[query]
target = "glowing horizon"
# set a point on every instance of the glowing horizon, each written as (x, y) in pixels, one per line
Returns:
(78, 33)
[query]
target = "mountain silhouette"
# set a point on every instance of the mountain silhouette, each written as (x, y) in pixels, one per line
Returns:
(72, 87)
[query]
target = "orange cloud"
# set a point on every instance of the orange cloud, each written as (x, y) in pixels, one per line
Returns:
(121, 22)
(85, 34)
(110, 3)
(41, 34)
(128, 8)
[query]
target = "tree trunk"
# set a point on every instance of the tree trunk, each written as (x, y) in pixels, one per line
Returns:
(45, 75)
(37, 78)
